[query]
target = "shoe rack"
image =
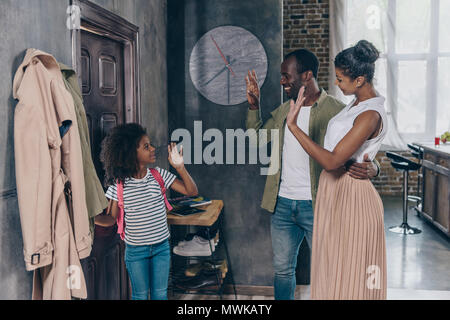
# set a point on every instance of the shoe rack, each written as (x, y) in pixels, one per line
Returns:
(201, 274)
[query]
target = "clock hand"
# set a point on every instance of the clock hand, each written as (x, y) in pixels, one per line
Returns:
(219, 73)
(223, 57)
(228, 83)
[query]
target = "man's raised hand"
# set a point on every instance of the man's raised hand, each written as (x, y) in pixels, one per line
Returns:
(253, 93)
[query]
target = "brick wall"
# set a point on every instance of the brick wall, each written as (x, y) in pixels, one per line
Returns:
(306, 25)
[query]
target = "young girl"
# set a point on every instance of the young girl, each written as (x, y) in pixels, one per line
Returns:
(126, 154)
(348, 251)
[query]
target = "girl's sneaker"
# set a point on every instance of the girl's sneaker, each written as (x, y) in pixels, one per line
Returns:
(198, 246)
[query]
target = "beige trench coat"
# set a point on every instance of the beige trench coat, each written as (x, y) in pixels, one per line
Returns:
(49, 178)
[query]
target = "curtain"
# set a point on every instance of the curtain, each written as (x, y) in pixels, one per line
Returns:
(338, 42)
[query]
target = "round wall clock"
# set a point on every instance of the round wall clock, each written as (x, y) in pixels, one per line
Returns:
(220, 61)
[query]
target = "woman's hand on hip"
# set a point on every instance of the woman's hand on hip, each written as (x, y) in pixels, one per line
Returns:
(364, 170)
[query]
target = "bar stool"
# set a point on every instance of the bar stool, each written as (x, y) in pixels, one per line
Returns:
(417, 152)
(402, 163)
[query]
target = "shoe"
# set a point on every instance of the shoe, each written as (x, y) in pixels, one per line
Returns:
(201, 281)
(222, 266)
(207, 267)
(193, 269)
(196, 247)
(216, 238)
(187, 238)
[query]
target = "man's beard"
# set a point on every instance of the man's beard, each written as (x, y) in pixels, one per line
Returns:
(294, 91)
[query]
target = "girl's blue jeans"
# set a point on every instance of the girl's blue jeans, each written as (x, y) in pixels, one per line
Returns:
(148, 267)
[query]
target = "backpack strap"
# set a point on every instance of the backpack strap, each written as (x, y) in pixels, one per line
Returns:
(121, 215)
(160, 180)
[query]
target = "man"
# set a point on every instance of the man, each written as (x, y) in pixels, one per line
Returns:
(290, 193)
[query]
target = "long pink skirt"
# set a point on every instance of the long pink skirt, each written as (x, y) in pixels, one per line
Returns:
(348, 251)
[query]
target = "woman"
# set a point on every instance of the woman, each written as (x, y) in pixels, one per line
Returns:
(348, 251)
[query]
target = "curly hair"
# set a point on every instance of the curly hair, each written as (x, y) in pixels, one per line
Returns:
(358, 60)
(118, 152)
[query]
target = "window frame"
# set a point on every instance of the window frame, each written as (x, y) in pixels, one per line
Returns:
(432, 60)
(393, 60)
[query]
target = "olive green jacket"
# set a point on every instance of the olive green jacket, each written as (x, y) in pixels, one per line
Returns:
(96, 201)
(325, 108)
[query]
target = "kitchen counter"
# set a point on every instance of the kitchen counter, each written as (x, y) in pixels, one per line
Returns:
(436, 185)
(441, 149)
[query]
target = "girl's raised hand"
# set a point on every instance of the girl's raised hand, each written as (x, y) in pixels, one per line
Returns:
(175, 157)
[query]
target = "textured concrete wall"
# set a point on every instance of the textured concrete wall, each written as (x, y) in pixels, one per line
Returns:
(42, 24)
(23, 24)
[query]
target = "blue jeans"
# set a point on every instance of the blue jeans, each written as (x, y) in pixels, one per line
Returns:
(291, 222)
(148, 268)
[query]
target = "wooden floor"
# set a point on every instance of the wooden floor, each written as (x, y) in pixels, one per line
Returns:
(301, 293)
(213, 297)
(417, 264)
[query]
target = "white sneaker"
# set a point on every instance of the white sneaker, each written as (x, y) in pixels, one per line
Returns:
(182, 242)
(214, 243)
(196, 247)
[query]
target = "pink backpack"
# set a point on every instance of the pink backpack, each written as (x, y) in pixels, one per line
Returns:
(121, 215)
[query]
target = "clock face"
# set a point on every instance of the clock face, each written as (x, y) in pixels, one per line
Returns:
(220, 61)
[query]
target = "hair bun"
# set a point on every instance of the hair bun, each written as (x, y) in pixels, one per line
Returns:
(366, 52)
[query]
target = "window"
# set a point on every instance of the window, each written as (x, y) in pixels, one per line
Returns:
(413, 71)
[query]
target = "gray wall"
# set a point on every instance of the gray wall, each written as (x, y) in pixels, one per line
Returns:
(247, 226)
(41, 24)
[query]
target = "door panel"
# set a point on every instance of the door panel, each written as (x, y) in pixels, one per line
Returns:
(102, 72)
(103, 92)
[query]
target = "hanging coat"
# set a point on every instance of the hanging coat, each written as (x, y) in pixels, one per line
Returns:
(96, 200)
(49, 178)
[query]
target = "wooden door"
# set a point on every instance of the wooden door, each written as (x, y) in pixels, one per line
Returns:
(102, 81)
(102, 86)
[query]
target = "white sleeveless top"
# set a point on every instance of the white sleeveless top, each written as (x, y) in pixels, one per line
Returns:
(341, 124)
